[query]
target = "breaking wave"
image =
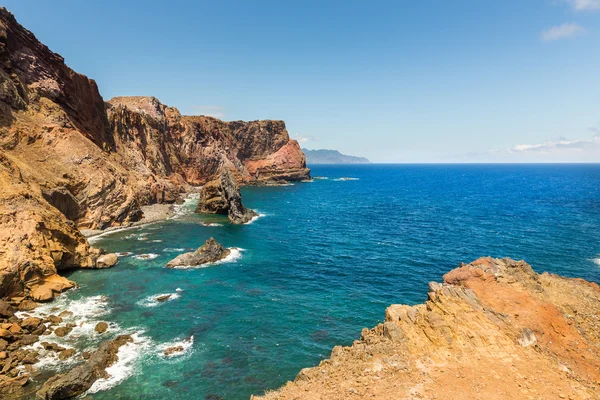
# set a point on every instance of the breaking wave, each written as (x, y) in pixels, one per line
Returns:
(129, 356)
(155, 300)
(148, 256)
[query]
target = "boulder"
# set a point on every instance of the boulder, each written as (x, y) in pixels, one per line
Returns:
(82, 377)
(27, 305)
(222, 196)
(49, 286)
(54, 320)
(211, 251)
(68, 353)
(29, 339)
(107, 261)
(162, 298)
(30, 323)
(101, 327)
(5, 334)
(6, 310)
(62, 331)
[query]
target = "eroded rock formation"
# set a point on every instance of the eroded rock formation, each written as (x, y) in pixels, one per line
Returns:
(69, 160)
(210, 252)
(494, 329)
(78, 380)
(222, 196)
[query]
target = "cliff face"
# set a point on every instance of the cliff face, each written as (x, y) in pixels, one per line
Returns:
(69, 160)
(494, 329)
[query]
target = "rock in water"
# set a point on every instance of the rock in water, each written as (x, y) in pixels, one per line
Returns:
(173, 350)
(82, 377)
(101, 327)
(222, 196)
(211, 251)
(107, 261)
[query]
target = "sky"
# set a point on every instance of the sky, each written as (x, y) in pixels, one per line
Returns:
(394, 81)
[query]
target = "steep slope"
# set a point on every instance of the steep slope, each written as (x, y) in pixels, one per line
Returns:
(494, 329)
(69, 161)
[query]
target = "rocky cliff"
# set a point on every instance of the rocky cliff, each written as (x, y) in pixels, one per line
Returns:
(69, 160)
(494, 329)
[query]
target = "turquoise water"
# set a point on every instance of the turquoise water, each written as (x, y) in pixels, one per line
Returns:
(324, 261)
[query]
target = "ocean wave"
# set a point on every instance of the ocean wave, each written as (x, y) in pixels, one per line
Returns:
(157, 241)
(211, 224)
(95, 238)
(129, 356)
(148, 256)
(173, 249)
(187, 207)
(236, 254)
(84, 313)
(124, 254)
(596, 261)
(346, 179)
(307, 180)
(153, 300)
(255, 217)
(182, 348)
(320, 178)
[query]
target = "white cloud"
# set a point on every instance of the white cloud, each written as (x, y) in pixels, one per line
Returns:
(585, 5)
(559, 146)
(210, 111)
(304, 139)
(563, 31)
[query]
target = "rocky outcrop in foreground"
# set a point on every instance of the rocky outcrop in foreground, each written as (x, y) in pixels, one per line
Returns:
(210, 252)
(222, 196)
(78, 380)
(69, 160)
(494, 329)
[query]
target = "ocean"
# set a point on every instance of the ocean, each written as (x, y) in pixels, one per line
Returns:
(323, 260)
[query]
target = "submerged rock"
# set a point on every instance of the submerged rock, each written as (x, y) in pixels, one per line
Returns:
(173, 350)
(211, 251)
(107, 261)
(162, 298)
(222, 196)
(82, 377)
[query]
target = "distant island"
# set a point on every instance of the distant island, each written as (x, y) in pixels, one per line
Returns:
(331, 157)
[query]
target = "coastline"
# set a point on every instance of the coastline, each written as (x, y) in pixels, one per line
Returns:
(493, 329)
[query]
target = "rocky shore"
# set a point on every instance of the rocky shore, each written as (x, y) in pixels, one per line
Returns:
(494, 329)
(26, 337)
(71, 162)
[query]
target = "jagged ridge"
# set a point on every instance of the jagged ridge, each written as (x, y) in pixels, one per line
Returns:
(494, 329)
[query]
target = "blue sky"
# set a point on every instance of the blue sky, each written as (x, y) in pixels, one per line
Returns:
(398, 81)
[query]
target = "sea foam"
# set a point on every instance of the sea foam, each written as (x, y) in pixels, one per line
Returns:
(255, 217)
(185, 344)
(148, 256)
(129, 356)
(151, 301)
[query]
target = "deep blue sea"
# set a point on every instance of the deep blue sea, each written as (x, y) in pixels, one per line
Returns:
(323, 261)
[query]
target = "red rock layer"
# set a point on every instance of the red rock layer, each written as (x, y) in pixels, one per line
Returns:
(494, 329)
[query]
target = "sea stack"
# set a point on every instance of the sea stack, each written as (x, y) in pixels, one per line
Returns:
(222, 196)
(211, 251)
